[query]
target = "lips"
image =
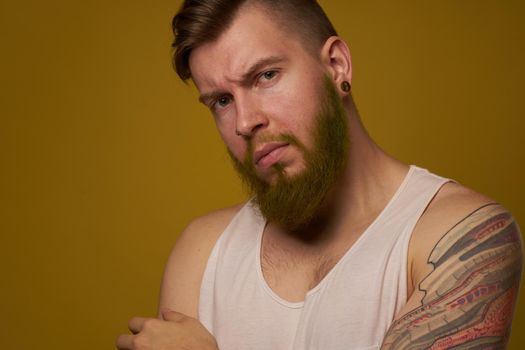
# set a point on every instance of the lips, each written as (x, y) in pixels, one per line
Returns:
(266, 151)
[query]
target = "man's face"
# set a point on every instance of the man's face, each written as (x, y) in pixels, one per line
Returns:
(293, 202)
(261, 83)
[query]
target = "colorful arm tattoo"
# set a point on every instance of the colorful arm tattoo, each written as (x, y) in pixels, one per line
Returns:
(469, 296)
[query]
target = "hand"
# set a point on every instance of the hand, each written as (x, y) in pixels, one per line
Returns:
(174, 331)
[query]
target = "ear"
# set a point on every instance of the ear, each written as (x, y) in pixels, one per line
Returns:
(335, 56)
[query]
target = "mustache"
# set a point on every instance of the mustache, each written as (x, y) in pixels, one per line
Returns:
(265, 138)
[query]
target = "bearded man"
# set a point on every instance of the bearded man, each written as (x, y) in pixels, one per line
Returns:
(341, 246)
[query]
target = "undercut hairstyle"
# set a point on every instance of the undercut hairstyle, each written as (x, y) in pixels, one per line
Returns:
(202, 21)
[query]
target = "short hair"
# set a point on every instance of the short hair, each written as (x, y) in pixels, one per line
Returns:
(202, 21)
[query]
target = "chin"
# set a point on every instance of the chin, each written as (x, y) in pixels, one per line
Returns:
(279, 171)
(293, 171)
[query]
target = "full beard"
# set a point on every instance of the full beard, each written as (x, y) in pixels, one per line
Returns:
(293, 202)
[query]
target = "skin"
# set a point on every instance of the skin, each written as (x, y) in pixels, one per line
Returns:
(173, 328)
(293, 202)
(461, 233)
(466, 300)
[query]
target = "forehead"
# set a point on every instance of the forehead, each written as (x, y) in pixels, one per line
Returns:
(252, 36)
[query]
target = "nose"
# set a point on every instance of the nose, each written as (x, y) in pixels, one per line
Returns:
(250, 117)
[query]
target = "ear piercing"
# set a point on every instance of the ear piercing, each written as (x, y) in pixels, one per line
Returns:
(345, 86)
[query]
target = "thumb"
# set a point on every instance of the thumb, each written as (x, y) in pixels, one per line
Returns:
(173, 316)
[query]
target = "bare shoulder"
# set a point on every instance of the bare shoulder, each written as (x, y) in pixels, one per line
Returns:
(452, 205)
(467, 257)
(187, 261)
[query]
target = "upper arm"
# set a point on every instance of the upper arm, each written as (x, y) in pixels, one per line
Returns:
(185, 267)
(467, 297)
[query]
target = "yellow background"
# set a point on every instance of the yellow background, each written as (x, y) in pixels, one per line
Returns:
(105, 156)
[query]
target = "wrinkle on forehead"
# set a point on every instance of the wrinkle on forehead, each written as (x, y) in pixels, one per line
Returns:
(252, 36)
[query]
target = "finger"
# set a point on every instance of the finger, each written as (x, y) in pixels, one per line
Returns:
(125, 342)
(173, 316)
(136, 323)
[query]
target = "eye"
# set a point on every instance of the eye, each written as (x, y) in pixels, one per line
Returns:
(222, 102)
(268, 75)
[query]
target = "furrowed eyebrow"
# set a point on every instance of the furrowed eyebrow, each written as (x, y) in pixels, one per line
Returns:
(260, 64)
(246, 77)
(204, 98)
